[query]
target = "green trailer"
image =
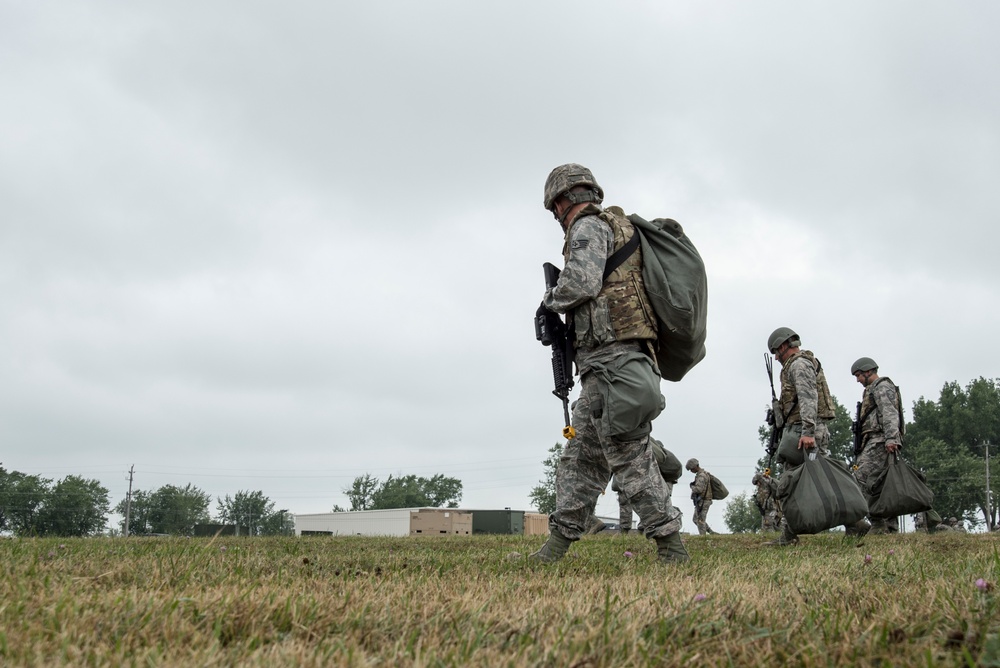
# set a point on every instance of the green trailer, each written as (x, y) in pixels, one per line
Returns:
(498, 521)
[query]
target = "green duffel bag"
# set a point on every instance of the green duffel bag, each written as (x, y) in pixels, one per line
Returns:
(630, 395)
(788, 447)
(819, 495)
(901, 490)
(670, 466)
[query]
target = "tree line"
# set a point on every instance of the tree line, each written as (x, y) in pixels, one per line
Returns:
(949, 440)
(408, 491)
(34, 506)
(31, 505)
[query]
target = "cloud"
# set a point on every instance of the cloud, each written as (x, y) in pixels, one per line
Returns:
(260, 247)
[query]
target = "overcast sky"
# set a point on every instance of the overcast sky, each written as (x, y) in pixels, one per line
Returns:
(276, 246)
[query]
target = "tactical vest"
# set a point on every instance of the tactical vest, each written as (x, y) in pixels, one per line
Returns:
(790, 402)
(868, 408)
(621, 311)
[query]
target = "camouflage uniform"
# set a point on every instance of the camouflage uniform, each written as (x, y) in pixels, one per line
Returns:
(701, 495)
(770, 514)
(881, 411)
(611, 321)
(806, 403)
(805, 397)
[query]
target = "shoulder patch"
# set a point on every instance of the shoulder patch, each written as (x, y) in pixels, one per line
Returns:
(579, 244)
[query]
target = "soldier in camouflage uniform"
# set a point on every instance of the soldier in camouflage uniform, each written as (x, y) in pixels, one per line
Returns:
(701, 495)
(805, 403)
(881, 433)
(767, 504)
(614, 332)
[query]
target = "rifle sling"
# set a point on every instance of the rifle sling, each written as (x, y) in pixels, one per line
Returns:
(622, 254)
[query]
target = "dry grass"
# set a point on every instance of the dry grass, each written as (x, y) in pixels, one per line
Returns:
(465, 601)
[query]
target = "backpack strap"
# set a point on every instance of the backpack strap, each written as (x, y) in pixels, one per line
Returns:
(622, 254)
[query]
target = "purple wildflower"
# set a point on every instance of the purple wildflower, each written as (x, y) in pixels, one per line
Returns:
(698, 598)
(868, 559)
(983, 585)
(629, 554)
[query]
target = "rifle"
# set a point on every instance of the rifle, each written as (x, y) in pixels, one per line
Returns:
(858, 436)
(774, 417)
(699, 501)
(553, 332)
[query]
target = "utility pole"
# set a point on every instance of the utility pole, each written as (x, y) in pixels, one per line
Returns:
(989, 512)
(128, 500)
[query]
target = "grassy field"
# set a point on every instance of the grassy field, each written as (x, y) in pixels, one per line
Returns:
(896, 601)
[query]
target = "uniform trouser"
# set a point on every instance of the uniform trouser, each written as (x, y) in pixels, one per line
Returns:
(701, 516)
(590, 459)
(872, 463)
(624, 512)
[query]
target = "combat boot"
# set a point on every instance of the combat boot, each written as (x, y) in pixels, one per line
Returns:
(879, 527)
(670, 549)
(553, 549)
(857, 530)
(786, 538)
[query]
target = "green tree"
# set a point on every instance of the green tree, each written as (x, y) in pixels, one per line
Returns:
(443, 492)
(75, 506)
(24, 498)
(409, 491)
(176, 510)
(841, 436)
(361, 491)
(138, 513)
(170, 510)
(741, 514)
(948, 439)
(543, 495)
(416, 492)
(279, 523)
(251, 512)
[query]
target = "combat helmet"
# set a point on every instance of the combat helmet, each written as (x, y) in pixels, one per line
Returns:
(564, 178)
(781, 335)
(864, 364)
(692, 464)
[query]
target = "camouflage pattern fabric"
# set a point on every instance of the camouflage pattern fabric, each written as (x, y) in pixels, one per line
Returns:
(800, 380)
(701, 516)
(591, 458)
(701, 496)
(880, 405)
(624, 513)
(601, 311)
(770, 514)
(803, 397)
(702, 485)
(880, 428)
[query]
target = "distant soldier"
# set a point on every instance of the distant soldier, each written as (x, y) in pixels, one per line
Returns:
(767, 504)
(956, 525)
(881, 425)
(806, 406)
(701, 495)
